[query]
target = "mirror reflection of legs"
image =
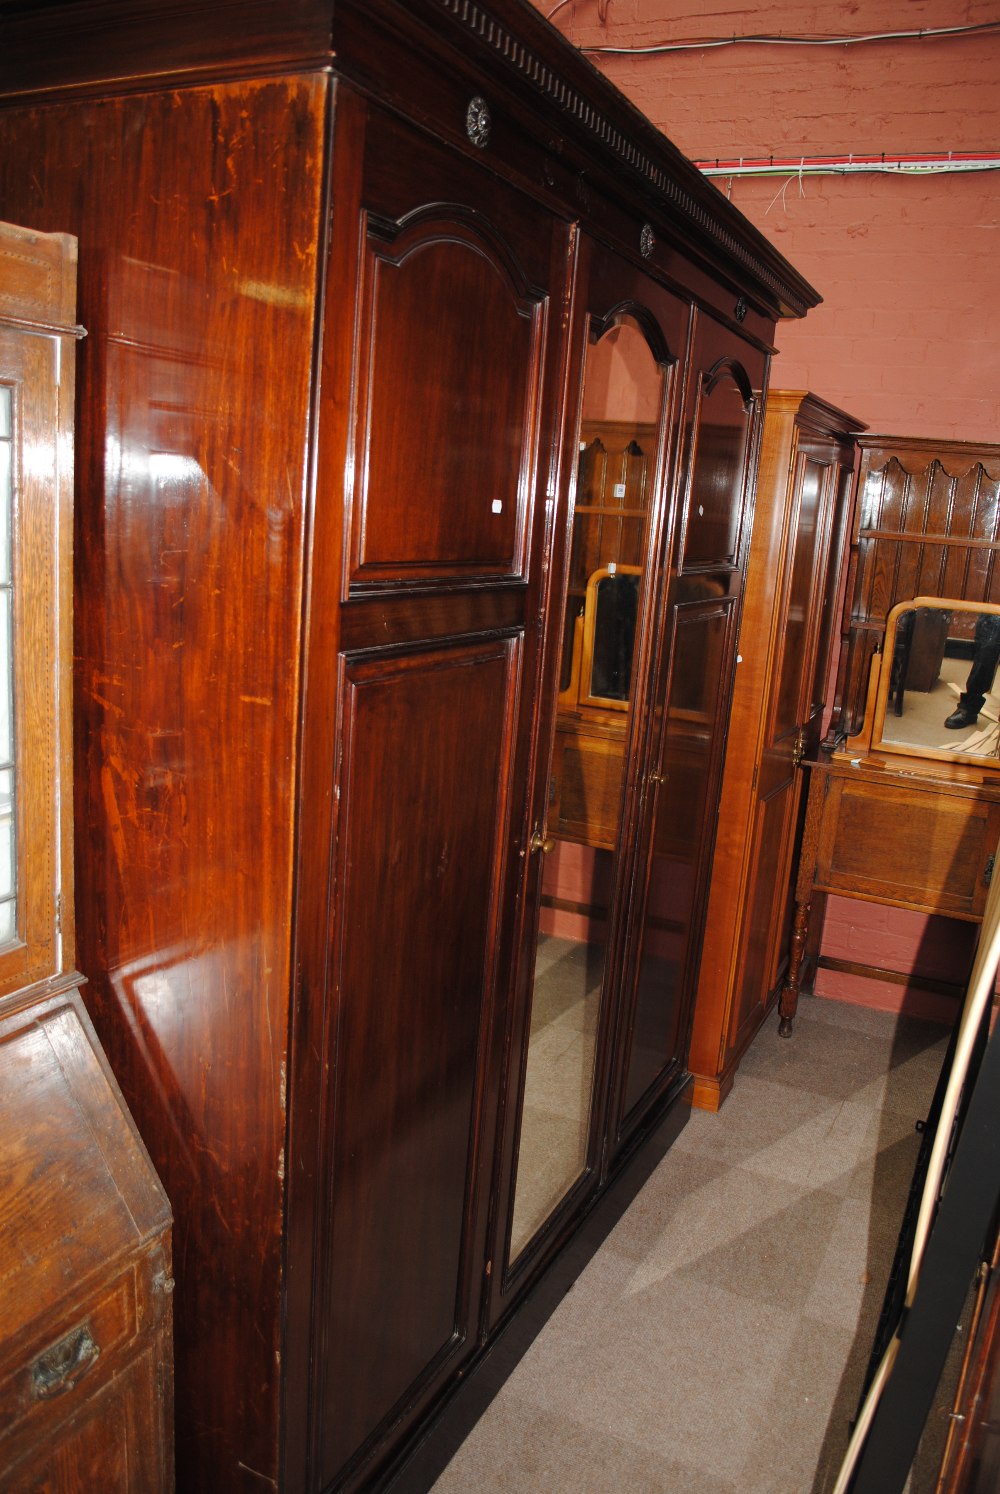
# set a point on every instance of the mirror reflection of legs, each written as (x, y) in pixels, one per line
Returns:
(943, 695)
(949, 715)
(569, 972)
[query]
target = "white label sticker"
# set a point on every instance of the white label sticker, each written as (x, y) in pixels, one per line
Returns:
(619, 490)
(497, 506)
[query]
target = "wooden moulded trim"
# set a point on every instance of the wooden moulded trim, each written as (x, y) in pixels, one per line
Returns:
(921, 537)
(818, 417)
(122, 46)
(593, 106)
(41, 329)
(877, 451)
(87, 46)
(928, 983)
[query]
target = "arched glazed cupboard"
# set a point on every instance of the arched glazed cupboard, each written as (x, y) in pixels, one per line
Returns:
(400, 716)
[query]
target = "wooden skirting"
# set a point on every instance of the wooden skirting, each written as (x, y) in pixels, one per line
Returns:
(893, 977)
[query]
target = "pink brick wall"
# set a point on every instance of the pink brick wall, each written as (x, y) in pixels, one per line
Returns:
(908, 336)
(930, 949)
(780, 100)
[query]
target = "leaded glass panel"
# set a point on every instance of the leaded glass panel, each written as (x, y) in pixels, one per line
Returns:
(8, 841)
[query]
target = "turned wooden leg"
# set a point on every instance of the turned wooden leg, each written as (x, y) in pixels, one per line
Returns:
(789, 1000)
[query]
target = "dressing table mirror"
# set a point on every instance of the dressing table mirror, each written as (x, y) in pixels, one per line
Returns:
(933, 695)
(610, 613)
(602, 641)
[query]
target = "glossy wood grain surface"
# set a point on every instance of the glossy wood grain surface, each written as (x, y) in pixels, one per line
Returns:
(86, 1381)
(117, 1448)
(597, 150)
(39, 277)
(107, 1203)
(197, 265)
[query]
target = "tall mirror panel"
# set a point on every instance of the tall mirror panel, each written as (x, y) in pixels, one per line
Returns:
(621, 414)
(691, 710)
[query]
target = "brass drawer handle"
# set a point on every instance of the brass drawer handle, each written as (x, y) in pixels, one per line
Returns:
(63, 1365)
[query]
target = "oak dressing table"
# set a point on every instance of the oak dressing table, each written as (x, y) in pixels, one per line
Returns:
(907, 813)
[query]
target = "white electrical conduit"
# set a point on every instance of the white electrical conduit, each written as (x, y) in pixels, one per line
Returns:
(704, 43)
(927, 165)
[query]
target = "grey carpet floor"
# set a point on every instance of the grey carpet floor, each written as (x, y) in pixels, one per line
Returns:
(717, 1340)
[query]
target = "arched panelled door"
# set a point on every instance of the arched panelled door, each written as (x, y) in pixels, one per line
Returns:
(693, 672)
(631, 335)
(452, 368)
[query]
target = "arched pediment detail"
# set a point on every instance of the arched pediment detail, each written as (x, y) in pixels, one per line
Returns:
(647, 323)
(731, 368)
(438, 223)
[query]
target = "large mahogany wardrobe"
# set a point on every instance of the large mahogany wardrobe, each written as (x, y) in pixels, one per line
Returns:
(360, 281)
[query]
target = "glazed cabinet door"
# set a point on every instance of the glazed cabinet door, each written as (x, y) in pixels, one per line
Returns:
(680, 791)
(442, 455)
(37, 300)
(629, 341)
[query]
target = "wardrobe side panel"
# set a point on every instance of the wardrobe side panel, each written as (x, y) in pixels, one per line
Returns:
(197, 213)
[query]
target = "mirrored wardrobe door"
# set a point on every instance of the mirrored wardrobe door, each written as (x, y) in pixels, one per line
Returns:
(623, 396)
(597, 630)
(691, 713)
